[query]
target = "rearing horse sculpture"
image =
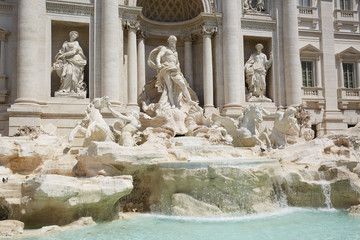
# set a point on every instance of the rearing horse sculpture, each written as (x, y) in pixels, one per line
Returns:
(245, 132)
(248, 133)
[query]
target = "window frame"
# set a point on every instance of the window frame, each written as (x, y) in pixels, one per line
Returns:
(345, 77)
(307, 80)
(343, 6)
(301, 3)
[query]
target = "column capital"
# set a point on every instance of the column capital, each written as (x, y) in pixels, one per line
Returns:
(132, 25)
(141, 34)
(208, 30)
(188, 37)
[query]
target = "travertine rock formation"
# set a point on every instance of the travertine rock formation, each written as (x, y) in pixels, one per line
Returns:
(32, 199)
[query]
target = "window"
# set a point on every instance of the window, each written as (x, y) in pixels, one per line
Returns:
(345, 5)
(307, 74)
(305, 3)
(348, 69)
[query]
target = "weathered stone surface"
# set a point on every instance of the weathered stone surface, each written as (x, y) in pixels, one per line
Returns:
(25, 155)
(354, 210)
(10, 228)
(67, 198)
(185, 205)
(110, 159)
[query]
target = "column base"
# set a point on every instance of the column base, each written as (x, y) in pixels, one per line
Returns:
(232, 110)
(333, 122)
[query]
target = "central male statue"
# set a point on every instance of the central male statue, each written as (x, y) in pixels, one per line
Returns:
(170, 81)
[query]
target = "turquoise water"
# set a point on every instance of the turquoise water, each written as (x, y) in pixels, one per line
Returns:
(288, 223)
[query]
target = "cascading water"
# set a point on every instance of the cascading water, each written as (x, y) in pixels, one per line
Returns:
(326, 189)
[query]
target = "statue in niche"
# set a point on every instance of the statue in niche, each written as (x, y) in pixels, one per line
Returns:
(69, 65)
(94, 127)
(255, 71)
(251, 6)
(170, 80)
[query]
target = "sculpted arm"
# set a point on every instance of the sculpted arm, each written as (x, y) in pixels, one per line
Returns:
(117, 114)
(269, 62)
(269, 114)
(159, 56)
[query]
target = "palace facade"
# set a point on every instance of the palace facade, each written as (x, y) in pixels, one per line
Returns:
(314, 45)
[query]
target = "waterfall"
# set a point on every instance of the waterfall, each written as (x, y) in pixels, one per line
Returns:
(280, 196)
(326, 189)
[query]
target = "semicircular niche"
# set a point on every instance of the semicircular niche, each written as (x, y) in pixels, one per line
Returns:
(171, 10)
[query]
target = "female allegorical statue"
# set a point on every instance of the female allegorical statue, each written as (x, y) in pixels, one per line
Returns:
(69, 65)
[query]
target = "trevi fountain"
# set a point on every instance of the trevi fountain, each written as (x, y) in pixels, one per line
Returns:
(178, 169)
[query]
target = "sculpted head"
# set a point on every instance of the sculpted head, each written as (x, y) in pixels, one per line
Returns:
(259, 47)
(73, 35)
(172, 41)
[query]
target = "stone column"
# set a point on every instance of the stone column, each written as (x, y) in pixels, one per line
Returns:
(27, 50)
(234, 86)
(358, 74)
(341, 74)
(141, 62)
(110, 43)
(318, 72)
(208, 81)
(333, 119)
(292, 65)
(2, 56)
(188, 66)
(132, 27)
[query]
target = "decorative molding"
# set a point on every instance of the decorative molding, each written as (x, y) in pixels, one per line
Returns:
(131, 25)
(69, 9)
(142, 34)
(129, 13)
(258, 25)
(188, 37)
(208, 30)
(6, 8)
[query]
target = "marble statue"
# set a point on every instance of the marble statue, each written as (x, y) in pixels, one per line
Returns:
(247, 131)
(255, 70)
(94, 127)
(250, 7)
(69, 65)
(170, 80)
(126, 126)
(285, 124)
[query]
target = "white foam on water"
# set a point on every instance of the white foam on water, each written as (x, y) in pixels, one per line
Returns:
(234, 218)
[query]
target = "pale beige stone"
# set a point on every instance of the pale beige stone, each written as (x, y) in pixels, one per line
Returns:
(11, 228)
(185, 205)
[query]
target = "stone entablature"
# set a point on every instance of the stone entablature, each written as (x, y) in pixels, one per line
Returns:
(60, 7)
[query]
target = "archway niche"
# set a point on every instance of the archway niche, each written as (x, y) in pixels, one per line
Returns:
(249, 48)
(59, 34)
(171, 10)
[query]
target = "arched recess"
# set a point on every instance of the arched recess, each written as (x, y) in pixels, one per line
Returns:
(171, 10)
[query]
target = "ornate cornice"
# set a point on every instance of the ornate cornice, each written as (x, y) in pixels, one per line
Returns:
(129, 13)
(69, 9)
(258, 25)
